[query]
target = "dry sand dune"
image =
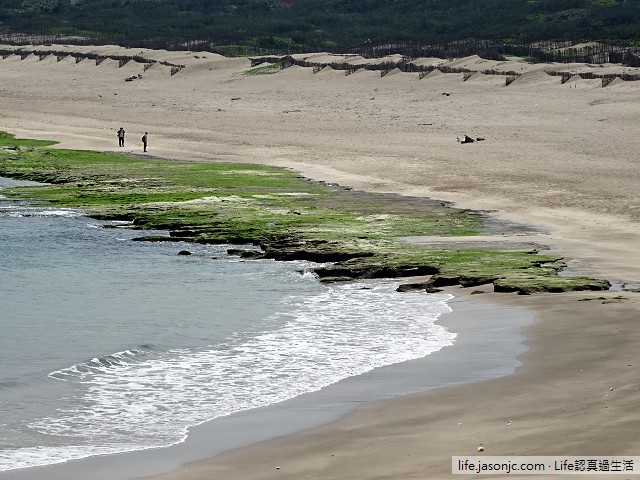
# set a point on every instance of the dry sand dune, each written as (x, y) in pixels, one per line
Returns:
(430, 61)
(488, 80)
(535, 79)
(562, 157)
(326, 71)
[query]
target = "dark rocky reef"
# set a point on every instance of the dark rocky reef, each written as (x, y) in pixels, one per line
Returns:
(559, 286)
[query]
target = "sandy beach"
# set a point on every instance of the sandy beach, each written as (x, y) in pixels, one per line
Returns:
(562, 157)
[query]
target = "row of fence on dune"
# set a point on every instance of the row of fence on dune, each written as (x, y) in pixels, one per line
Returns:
(80, 56)
(403, 64)
(605, 78)
(551, 51)
(560, 51)
(408, 66)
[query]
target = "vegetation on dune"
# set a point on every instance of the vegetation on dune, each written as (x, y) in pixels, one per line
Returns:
(329, 24)
(362, 235)
(264, 69)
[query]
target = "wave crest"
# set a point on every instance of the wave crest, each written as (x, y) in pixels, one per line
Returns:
(97, 365)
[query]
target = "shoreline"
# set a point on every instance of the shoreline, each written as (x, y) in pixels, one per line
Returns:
(541, 409)
(466, 361)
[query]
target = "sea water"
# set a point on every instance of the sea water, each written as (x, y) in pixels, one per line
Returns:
(110, 345)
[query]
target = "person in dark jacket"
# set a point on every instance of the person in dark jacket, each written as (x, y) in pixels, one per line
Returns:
(121, 137)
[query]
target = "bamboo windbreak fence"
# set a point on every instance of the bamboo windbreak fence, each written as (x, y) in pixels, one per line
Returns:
(351, 63)
(558, 51)
(409, 66)
(122, 60)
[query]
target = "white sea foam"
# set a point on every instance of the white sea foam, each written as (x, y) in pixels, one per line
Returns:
(18, 212)
(308, 274)
(138, 398)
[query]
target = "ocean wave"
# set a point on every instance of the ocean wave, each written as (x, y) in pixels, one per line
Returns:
(111, 223)
(102, 364)
(144, 398)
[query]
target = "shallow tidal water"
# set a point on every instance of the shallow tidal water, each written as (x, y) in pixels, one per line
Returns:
(109, 345)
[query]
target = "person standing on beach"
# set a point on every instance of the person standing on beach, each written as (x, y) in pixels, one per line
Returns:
(144, 142)
(121, 137)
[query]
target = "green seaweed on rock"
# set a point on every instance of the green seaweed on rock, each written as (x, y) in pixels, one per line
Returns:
(360, 234)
